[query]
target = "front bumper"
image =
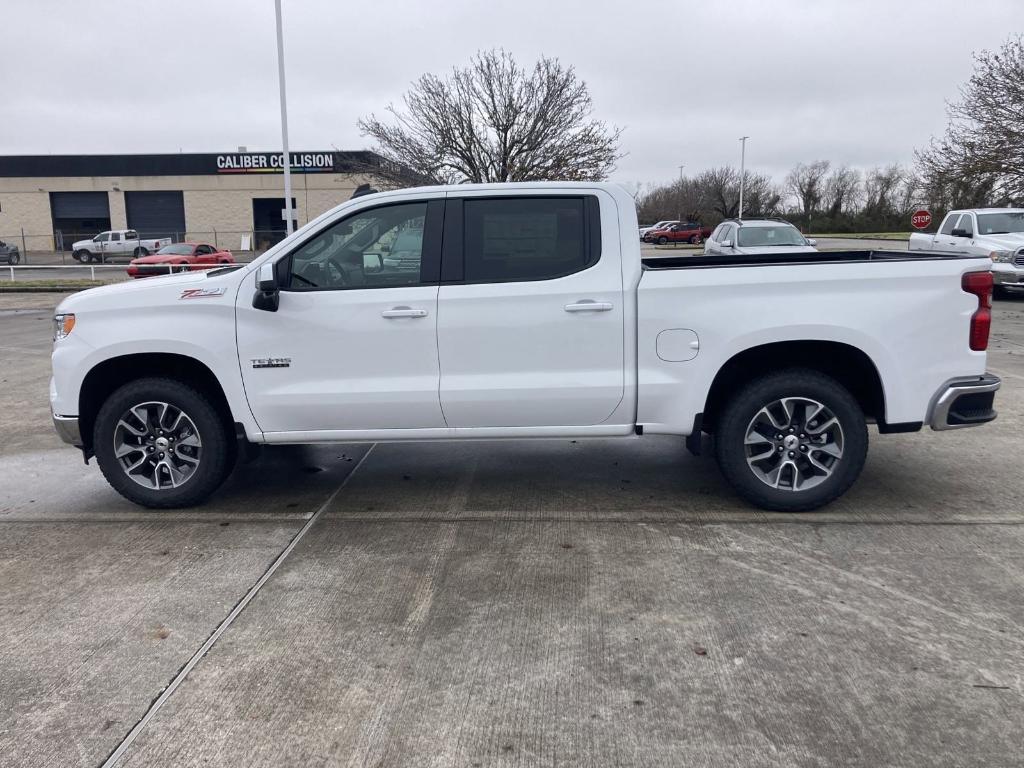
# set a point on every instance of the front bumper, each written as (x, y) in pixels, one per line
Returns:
(67, 429)
(965, 402)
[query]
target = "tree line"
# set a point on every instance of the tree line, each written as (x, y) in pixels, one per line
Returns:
(816, 196)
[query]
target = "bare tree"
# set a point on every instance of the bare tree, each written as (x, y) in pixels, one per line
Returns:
(981, 154)
(840, 191)
(496, 121)
(806, 182)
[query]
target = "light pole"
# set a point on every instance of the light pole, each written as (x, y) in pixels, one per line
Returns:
(284, 123)
(742, 170)
(681, 190)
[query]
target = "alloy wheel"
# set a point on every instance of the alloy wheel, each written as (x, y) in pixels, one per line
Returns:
(794, 444)
(157, 445)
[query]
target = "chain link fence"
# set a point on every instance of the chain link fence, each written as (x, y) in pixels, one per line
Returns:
(57, 247)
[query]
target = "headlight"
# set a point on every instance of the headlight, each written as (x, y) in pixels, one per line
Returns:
(62, 326)
(1001, 255)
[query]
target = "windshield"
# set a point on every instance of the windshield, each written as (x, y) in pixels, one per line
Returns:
(1000, 223)
(760, 237)
(181, 249)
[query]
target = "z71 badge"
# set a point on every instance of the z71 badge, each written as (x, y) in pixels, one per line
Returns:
(201, 293)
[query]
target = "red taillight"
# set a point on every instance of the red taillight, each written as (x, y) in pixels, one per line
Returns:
(980, 284)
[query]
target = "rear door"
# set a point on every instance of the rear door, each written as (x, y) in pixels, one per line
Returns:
(530, 311)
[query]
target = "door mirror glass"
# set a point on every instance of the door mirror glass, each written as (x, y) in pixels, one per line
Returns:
(265, 279)
(372, 262)
(727, 243)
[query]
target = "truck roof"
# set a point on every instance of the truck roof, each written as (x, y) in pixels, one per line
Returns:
(988, 210)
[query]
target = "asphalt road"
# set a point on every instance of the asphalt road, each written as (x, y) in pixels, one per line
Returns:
(587, 603)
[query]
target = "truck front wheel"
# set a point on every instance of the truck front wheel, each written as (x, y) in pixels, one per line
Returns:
(792, 441)
(161, 444)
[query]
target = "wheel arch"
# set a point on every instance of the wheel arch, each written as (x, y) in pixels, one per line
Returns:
(850, 366)
(109, 374)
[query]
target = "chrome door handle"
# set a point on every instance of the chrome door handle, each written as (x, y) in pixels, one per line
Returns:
(403, 312)
(588, 306)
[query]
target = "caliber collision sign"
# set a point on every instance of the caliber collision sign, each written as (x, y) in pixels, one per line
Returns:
(921, 219)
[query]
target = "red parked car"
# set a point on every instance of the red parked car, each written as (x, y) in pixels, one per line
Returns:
(179, 257)
(683, 232)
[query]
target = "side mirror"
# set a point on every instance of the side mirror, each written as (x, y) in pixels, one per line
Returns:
(372, 262)
(959, 233)
(811, 241)
(268, 296)
(726, 243)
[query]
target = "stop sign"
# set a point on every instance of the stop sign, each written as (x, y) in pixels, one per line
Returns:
(921, 219)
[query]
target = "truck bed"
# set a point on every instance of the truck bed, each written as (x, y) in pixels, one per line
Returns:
(703, 261)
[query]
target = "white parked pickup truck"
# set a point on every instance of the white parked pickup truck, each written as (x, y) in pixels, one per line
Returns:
(116, 244)
(520, 311)
(995, 233)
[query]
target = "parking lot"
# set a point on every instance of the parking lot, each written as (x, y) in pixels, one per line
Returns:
(547, 603)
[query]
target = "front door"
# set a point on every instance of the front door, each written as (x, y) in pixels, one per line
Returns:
(352, 345)
(530, 313)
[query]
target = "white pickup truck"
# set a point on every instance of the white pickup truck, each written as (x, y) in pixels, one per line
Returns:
(116, 243)
(520, 311)
(994, 233)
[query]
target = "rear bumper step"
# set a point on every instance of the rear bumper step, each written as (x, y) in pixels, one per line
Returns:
(964, 402)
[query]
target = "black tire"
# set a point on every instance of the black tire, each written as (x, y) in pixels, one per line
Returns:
(140, 252)
(1000, 292)
(215, 461)
(696, 240)
(14, 258)
(739, 413)
(662, 240)
(82, 256)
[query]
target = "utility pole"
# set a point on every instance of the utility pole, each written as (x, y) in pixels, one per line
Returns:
(742, 169)
(681, 172)
(284, 124)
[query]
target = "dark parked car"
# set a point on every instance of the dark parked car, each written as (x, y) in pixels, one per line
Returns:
(9, 253)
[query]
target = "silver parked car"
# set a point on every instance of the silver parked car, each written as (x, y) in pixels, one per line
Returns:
(9, 254)
(744, 237)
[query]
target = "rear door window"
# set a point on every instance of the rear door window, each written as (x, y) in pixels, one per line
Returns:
(523, 239)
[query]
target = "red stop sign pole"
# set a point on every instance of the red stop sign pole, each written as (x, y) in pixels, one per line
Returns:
(921, 219)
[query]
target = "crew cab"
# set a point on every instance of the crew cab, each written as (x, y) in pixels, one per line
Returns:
(995, 233)
(681, 232)
(115, 244)
(531, 315)
(179, 257)
(748, 237)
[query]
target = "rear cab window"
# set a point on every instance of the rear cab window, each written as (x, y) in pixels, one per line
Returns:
(527, 238)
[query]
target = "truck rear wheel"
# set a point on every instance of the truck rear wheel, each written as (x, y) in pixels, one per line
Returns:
(792, 441)
(161, 444)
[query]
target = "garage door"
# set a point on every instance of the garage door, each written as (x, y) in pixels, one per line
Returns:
(156, 214)
(80, 205)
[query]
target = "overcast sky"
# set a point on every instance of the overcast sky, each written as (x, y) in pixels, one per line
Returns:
(861, 82)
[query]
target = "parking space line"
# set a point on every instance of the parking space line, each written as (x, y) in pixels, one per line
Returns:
(229, 619)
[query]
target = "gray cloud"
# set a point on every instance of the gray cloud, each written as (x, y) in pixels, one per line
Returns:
(857, 82)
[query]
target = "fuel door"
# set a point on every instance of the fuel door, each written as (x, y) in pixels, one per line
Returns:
(677, 345)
